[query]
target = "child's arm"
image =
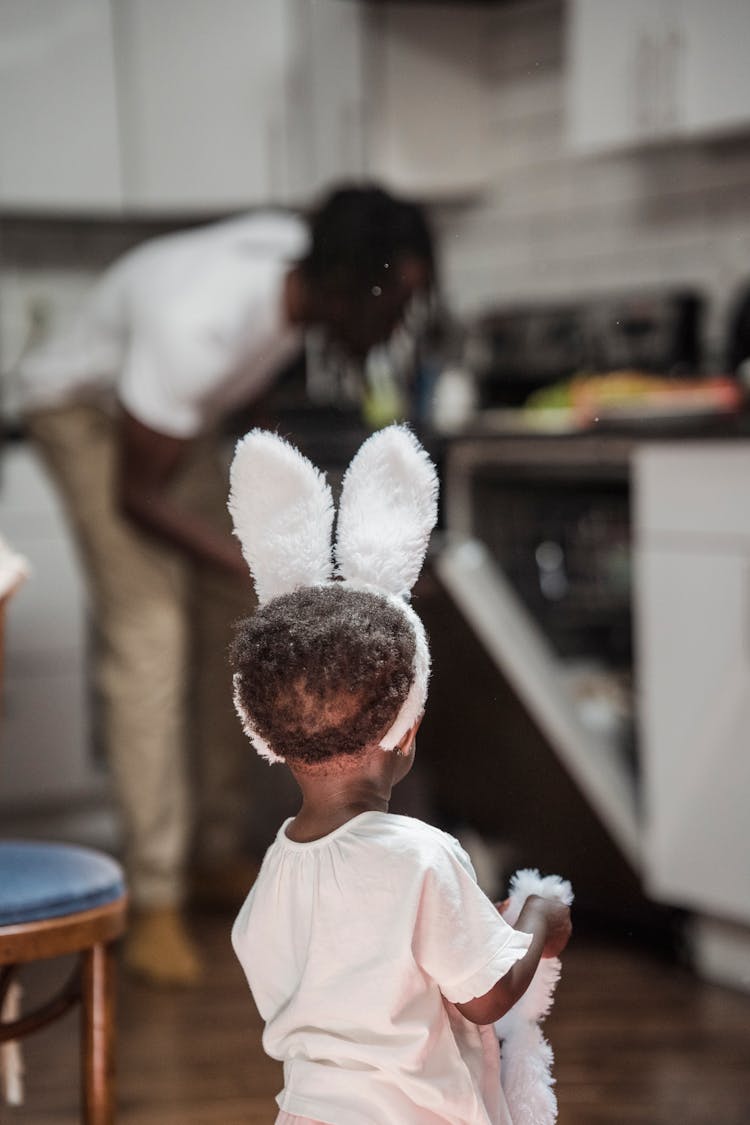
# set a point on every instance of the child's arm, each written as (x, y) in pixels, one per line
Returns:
(549, 923)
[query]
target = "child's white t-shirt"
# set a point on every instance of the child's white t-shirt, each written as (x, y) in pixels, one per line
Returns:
(356, 948)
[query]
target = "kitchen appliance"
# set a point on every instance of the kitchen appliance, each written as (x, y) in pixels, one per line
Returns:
(554, 514)
(521, 348)
(538, 563)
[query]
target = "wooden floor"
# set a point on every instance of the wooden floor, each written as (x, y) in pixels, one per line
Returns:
(637, 1042)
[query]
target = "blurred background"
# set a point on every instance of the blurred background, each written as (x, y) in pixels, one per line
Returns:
(583, 381)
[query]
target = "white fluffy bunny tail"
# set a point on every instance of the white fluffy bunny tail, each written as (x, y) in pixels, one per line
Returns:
(527, 1080)
(527, 1056)
(283, 515)
(527, 881)
(388, 509)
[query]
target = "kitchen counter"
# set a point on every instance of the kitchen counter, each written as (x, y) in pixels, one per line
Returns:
(499, 440)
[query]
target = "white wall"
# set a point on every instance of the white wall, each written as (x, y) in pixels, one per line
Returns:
(555, 225)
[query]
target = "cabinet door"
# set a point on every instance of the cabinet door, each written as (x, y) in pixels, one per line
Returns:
(326, 92)
(427, 98)
(624, 81)
(204, 102)
(716, 83)
(648, 70)
(59, 145)
(693, 628)
(335, 50)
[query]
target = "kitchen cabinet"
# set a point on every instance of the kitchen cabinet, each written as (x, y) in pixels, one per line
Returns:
(716, 78)
(230, 104)
(328, 95)
(300, 94)
(692, 603)
(655, 70)
(428, 98)
(204, 103)
(172, 107)
(190, 107)
(59, 145)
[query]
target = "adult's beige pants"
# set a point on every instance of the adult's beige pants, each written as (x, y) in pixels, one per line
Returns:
(162, 628)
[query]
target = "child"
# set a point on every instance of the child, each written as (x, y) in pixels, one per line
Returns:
(373, 957)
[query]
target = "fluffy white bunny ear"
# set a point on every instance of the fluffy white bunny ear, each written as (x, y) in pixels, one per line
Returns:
(388, 509)
(283, 514)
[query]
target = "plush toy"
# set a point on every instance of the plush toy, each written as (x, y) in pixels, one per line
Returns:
(527, 1056)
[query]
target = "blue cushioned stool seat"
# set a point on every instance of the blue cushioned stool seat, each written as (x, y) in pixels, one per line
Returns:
(39, 881)
(58, 900)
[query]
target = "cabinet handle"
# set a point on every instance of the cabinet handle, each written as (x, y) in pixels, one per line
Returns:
(272, 148)
(671, 74)
(643, 68)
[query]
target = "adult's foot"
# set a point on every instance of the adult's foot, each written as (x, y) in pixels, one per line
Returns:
(159, 949)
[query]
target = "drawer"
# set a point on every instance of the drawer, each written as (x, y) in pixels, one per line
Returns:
(693, 489)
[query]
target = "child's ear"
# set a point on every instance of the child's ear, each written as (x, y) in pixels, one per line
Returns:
(407, 741)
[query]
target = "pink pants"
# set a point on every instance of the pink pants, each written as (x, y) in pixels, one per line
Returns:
(289, 1119)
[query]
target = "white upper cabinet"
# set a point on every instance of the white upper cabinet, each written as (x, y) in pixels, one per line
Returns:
(716, 79)
(59, 145)
(427, 98)
(624, 63)
(655, 70)
(230, 103)
(172, 107)
(328, 94)
(184, 107)
(203, 102)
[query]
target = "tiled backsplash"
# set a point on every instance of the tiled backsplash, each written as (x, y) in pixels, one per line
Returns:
(556, 225)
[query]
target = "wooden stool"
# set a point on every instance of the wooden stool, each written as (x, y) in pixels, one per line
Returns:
(56, 899)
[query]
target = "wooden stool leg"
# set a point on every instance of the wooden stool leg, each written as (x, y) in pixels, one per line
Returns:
(98, 1035)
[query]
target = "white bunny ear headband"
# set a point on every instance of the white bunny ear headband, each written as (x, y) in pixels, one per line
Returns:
(283, 512)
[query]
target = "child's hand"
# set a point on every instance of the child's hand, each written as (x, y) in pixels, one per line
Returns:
(559, 927)
(556, 917)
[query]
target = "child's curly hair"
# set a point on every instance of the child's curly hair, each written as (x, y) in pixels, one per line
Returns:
(323, 672)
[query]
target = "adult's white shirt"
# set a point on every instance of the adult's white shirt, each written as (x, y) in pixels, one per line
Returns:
(181, 328)
(356, 948)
